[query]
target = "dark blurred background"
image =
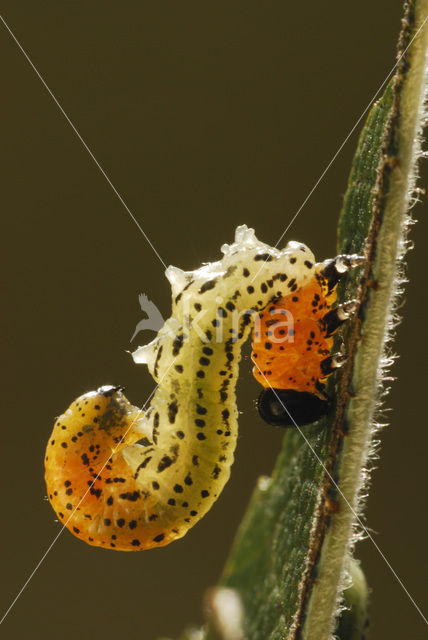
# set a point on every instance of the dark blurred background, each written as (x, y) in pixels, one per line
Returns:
(205, 116)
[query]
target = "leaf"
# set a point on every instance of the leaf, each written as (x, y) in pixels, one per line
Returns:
(291, 556)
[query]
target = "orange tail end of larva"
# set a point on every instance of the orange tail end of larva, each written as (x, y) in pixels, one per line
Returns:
(89, 483)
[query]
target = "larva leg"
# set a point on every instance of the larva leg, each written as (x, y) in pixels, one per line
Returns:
(333, 362)
(334, 269)
(337, 316)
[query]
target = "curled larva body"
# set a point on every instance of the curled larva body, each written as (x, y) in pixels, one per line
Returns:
(174, 459)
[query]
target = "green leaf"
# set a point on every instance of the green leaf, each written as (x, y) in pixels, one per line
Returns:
(291, 559)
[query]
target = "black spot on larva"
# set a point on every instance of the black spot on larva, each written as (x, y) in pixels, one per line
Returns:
(159, 538)
(171, 501)
(179, 368)
(222, 313)
(308, 264)
(263, 287)
(208, 334)
(69, 492)
(215, 472)
(64, 445)
(291, 283)
(155, 485)
(230, 306)
(185, 504)
(178, 298)
(177, 344)
(204, 361)
(207, 286)
(107, 522)
(266, 257)
(225, 414)
(201, 436)
(197, 306)
(172, 411)
(293, 260)
(158, 357)
(193, 513)
(69, 506)
(110, 501)
(245, 272)
(199, 422)
(153, 517)
(219, 432)
(268, 345)
(156, 420)
(200, 410)
(132, 496)
(76, 530)
(179, 434)
(135, 543)
(143, 465)
(85, 459)
(120, 522)
(164, 462)
(67, 483)
(188, 480)
(178, 488)
(195, 461)
(205, 493)
(250, 289)
(208, 351)
(215, 323)
(200, 374)
(223, 396)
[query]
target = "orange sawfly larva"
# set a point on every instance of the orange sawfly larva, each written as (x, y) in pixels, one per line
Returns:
(125, 479)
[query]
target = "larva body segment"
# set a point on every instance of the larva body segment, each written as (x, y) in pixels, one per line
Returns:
(293, 362)
(175, 458)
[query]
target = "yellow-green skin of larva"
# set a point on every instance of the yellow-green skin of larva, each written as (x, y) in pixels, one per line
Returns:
(206, 406)
(188, 434)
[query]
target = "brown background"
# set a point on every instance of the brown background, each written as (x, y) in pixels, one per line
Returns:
(205, 116)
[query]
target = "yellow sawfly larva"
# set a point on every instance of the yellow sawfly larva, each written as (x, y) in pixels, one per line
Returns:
(133, 480)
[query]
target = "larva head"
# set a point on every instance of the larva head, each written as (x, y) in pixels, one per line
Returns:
(288, 407)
